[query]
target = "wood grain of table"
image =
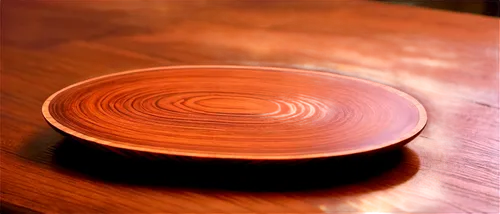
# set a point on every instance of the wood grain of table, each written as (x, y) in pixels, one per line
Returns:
(448, 61)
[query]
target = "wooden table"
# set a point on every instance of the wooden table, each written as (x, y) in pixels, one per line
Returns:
(449, 61)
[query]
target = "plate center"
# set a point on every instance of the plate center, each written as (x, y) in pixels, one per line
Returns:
(216, 103)
(235, 105)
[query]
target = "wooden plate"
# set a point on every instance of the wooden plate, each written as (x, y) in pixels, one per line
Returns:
(236, 112)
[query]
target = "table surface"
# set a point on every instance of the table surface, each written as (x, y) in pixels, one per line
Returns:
(448, 61)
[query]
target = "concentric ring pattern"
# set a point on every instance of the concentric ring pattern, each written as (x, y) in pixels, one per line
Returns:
(235, 112)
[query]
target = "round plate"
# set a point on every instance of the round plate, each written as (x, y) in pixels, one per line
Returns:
(236, 112)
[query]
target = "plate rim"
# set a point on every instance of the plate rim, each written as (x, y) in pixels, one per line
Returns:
(408, 136)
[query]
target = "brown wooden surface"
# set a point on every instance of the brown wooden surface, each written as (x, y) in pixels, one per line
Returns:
(448, 61)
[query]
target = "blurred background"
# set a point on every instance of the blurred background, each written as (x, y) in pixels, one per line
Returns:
(483, 7)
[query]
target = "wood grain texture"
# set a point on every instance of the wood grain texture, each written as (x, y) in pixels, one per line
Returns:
(236, 112)
(448, 61)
